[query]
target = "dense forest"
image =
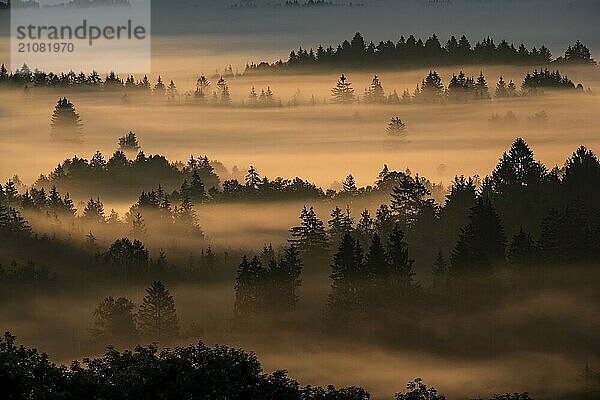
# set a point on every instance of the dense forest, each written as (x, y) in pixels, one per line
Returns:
(523, 228)
(412, 53)
(461, 88)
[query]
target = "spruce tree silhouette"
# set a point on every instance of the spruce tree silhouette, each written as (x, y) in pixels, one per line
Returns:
(408, 199)
(396, 127)
(159, 89)
(310, 237)
(501, 88)
(481, 245)
(347, 278)
(399, 261)
(481, 88)
(94, 211)
(248, 288)
(375, 93)
(377, 268)
(343, 93)
(202, 87)
(339, 224)
(284, 281)
(579, 54)
(65, 123)
(432, 89)
(157, 316)
(129, 143)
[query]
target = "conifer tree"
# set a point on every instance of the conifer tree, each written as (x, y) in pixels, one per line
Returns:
(396, 127)
(3, 75)
(343, 93)
(196, 189)
(54, 201)
(579, 53)
(376, 264)
(129, 143)
(349, 185)
(512, 89)
(310, 237)
(253, 98)
(94, 211)
(157, 315)
(11, 194)
(138, 230)
(501, 88)
(408, 198)
(339, 224)
(172, 91)
(365, 226)
(347, 278)
(202, 85)
(432, 89)
(185, 215)
(252, 178)
(248, 288)
(375, 93)
(401, 265)
(145, 84)
(284, 280)
(159, 89)
(481, 88)
(113, 218)
(224, 95)
(66, 123)
(481, 244)
(68, 206)
(517, 169)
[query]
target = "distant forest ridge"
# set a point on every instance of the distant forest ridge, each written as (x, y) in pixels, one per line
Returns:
(411, 52)
(294, 4)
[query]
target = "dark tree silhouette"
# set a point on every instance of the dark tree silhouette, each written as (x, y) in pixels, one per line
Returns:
(579, 54)
(129, 143)
(481, 244)
(126, 258)
(375, 93)
(248, 288)
(417, 390)
(94, 211)
(396, 127)
(114, 321)
(408, 199)
(347, 278)
(339, 224)
(157, 316)
(432, 89)
(401, 265)
(66, 123)
(343, 93)
(310, 237)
